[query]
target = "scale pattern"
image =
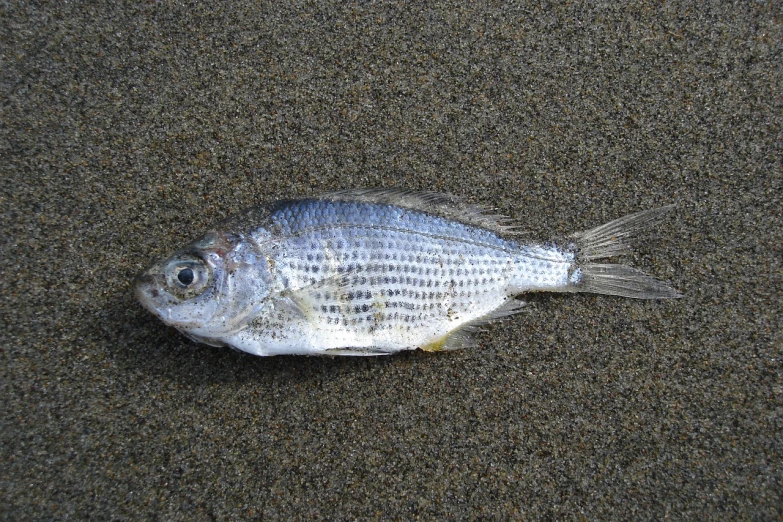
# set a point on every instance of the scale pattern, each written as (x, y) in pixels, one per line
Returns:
(395, 275)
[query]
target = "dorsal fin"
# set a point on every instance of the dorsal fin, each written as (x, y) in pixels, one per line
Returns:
(436, 203)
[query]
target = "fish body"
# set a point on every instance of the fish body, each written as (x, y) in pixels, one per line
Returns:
(372, 272)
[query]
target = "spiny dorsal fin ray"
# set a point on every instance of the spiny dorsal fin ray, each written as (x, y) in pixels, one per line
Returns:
(439, 204)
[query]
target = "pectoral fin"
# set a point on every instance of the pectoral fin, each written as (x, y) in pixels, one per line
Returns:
(320, 297)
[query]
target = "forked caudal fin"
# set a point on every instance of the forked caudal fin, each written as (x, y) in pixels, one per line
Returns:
(611, 240)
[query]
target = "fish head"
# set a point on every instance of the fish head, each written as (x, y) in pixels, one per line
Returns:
(210, 289)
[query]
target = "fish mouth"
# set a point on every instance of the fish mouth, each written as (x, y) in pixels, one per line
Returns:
(143, 281)
(147, 289)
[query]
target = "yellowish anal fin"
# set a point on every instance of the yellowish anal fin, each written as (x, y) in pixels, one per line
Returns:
(461, 337)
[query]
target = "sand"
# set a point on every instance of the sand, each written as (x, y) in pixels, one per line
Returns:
(127, 130)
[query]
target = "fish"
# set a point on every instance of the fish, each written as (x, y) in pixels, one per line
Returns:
(374, 272)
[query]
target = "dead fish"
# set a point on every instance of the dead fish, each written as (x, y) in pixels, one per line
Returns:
(372, 272)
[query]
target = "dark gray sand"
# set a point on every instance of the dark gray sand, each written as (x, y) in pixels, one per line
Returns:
(126, 131)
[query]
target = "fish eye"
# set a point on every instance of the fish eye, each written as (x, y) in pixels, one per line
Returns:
(185, 276)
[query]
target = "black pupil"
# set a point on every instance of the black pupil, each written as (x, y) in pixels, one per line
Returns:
(185, 276)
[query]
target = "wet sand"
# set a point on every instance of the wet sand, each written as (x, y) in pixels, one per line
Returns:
(126, 131)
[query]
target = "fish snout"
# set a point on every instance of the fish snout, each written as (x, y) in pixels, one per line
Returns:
(147, 288)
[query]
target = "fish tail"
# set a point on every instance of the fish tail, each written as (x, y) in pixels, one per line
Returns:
(610, 240)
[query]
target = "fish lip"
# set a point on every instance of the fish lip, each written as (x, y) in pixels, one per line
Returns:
(140, 284)
(146, 289)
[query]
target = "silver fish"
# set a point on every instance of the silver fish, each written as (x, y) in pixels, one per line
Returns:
(372, 272)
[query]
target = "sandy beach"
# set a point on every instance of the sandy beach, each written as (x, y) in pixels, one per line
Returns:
(127, 130)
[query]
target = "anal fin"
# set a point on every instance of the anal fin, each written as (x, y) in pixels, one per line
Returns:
(461, 336)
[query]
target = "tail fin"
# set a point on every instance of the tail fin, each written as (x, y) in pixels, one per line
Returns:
(611, 240)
